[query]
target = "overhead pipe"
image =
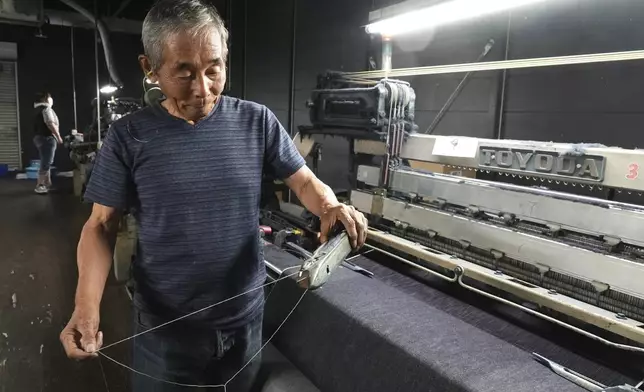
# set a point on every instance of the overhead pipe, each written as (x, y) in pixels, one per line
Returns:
(19, 20)
(9, 15)
(7, 6)
(70, 19)
(123, 6)
(104, 33)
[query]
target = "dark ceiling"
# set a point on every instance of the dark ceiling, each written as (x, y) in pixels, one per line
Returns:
(129, 9)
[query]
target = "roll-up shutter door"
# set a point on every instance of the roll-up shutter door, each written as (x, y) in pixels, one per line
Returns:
(9, 129)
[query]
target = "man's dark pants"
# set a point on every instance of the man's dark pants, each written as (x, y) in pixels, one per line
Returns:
(195, 354)
(46, 146)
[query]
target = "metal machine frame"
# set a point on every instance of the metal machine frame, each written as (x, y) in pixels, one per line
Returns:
(575, 260)
(521, 240)
(615, 167)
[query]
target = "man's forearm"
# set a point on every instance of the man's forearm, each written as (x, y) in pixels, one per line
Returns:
(94, 264)
(316, 196)
(54, 130)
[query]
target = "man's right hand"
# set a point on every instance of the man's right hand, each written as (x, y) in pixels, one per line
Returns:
(81, 337)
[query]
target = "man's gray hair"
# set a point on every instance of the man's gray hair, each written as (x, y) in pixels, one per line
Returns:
(169, 17)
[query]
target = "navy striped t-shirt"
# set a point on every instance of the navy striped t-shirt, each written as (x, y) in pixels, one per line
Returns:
(195, 191)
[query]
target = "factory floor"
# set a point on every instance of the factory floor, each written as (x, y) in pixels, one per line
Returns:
(38, 237)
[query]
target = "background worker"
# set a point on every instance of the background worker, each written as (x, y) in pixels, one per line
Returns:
(46, 137)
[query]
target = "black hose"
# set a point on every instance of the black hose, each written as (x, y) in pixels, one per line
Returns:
(102, 30)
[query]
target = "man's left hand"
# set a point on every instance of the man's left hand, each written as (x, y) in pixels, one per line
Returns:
(354, 222)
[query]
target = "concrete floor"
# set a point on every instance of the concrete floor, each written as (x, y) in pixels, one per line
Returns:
(38, 237)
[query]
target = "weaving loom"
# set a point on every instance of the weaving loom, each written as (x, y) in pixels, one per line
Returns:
(533, 231)
(577, 255)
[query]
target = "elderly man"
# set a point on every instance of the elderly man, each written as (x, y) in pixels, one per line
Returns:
(192, 170)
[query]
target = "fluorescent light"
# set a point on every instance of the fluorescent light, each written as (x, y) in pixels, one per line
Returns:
(108, 89)
(441, 14)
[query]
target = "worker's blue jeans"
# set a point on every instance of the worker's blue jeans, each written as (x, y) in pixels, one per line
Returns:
(46, 146)
(195, 355)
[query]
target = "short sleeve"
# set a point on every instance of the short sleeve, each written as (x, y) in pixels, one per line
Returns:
(281, 157)
(110, 181)
(49, 116)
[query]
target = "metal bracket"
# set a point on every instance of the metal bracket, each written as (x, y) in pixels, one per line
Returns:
(315, 272)
(460, 272)
(377, 206)
(581, 380)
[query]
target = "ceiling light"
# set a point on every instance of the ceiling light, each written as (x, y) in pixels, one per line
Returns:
(108, 89)
(441, 14)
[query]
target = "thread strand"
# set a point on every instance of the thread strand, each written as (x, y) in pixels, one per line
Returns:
(155, 378)
(194, 313)
(225, 385)
(273, 288)
(107, 387)
(271, 338)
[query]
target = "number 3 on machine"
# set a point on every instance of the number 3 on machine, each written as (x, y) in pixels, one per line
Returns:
(633, 171)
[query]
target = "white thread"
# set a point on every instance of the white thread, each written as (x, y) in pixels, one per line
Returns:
(273, 288)
(271, 338)
(107, 388)
(194, 313)
(358, 255)
(234, 375)
(158, 379)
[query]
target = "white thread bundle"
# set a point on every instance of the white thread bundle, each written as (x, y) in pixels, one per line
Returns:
(100, 351)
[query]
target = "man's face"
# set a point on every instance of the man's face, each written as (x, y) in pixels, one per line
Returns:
(192, 74)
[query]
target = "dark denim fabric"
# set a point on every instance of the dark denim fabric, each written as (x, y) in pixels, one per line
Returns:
(46, 146)
(193, 353)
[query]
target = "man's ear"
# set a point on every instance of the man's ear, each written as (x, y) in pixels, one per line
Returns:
(147, 68)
